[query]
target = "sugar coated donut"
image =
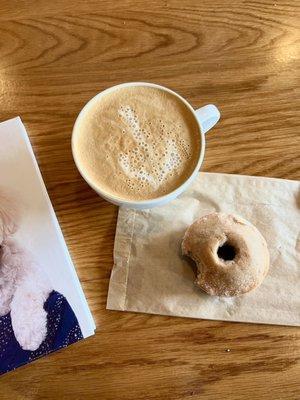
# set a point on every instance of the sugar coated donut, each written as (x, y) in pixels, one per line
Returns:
(231, 255)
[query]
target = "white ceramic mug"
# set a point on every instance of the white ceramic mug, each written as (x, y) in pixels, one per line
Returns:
(206, 118)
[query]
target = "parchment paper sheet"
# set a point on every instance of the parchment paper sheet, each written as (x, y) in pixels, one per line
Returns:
(150, 276)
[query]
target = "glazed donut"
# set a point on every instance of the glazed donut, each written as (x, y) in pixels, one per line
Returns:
(231, 255)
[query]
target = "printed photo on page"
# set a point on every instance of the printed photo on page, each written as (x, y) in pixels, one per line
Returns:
(42, 305)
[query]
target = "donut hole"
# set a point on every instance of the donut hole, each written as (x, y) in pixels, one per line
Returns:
(226, 252)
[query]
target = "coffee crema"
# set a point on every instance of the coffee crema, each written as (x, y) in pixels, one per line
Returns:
(137, 143)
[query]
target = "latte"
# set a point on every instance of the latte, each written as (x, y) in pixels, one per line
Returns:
(137, 143)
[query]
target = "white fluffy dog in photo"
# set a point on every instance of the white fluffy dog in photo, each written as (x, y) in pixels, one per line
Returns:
(24, 288)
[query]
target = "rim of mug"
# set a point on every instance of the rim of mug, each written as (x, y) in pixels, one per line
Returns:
(119, 200)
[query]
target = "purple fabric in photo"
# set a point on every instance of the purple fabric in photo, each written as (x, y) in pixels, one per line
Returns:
(62, 330)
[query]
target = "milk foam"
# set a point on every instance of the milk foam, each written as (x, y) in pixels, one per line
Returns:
(146, 150)
(138, 143)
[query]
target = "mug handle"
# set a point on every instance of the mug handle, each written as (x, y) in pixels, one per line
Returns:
(207, 117)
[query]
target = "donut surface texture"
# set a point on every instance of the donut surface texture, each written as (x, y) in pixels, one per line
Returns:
(231, 255)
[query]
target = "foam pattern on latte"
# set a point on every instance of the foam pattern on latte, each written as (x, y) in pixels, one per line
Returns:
(134, 163)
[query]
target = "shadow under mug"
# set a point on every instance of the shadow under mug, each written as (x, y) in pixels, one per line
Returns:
(206, 118)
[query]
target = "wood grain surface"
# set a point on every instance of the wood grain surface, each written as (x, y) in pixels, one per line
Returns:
(240, 55)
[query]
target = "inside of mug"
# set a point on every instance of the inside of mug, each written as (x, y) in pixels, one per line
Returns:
(115, 197)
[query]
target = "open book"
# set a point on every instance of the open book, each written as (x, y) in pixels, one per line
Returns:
(42, 305)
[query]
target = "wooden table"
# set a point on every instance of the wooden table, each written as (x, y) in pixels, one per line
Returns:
(242, 56)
